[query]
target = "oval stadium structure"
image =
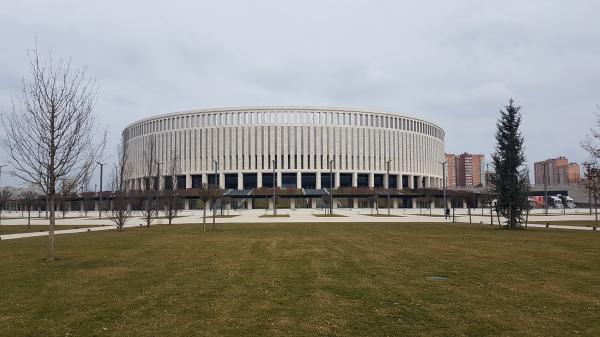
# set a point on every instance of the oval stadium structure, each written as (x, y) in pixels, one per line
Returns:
(307, 151)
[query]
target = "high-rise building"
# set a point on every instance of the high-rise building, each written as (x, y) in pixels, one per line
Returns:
(450, 170)
(465, 170)
(556, 171)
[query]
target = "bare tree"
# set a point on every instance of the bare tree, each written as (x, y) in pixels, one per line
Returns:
(88, 202)
(120, 212)
(151, 185)
(592, 171)
(30, 199)
(592, 140)
(592, 183)
(5, 196)
(215, 194)
(204, 195)
(171, 200)
(51, 132)
(67, 189)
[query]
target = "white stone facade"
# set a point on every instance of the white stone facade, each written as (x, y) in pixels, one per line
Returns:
(245, 142)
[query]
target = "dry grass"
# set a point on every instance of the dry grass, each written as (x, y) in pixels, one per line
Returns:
(584, 223)
(13, 229)
(306, 279)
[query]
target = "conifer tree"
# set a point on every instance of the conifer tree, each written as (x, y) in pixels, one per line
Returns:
(511, 175)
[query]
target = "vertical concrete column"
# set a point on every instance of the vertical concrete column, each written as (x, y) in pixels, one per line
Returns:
(399, 182)
(240, 185)
(270, 203)
(259, 179)
(336, 180)
(204, 178)
(420, 181)
(298, 180)
(96, 206)
(335, 203)
(464, 203)
(186, 204)
(221, 180)
(371, 179)
(414, 202)
(411, 181)
(354, 203)
(395, 203)
(318, 179)
(249, 203)
(188, 181)
(313, 203)
(354, 179)
(292, 203)
(278, 179)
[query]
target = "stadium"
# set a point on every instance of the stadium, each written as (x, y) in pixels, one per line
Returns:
(306, 152)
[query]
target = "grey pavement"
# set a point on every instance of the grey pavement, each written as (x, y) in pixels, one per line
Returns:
(92, 222)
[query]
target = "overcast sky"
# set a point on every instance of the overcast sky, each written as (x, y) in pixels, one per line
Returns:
(455, 63)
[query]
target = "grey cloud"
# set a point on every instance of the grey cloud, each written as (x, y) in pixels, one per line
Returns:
(455, 63)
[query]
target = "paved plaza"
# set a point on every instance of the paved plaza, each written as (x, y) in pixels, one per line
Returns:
(93, 223)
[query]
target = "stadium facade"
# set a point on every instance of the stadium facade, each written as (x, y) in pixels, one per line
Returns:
(307, 152)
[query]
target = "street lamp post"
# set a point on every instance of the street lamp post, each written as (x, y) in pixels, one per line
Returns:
(158, 186)
(588, 173)
(331, 187)
(101, 174)
(444, 185)
(387, 178)
(214, 203)
(1, 166)
(274, 189)
(546, 188)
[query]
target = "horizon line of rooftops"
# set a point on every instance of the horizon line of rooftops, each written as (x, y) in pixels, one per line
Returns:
(278, 117)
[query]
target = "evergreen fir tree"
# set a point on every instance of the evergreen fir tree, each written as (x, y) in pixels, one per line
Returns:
(511, 176)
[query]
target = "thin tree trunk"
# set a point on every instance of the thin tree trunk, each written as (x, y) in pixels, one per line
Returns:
(50, 254)
(498, 216)
(596, 209)
(204, 219)
(29, 218)
(491, 216)
(469, 209)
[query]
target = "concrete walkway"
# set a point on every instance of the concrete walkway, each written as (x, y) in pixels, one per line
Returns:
(93, 224)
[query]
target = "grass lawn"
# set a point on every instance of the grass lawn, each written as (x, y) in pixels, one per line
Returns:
(305, 279)
(12, 229)
(329, 215)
